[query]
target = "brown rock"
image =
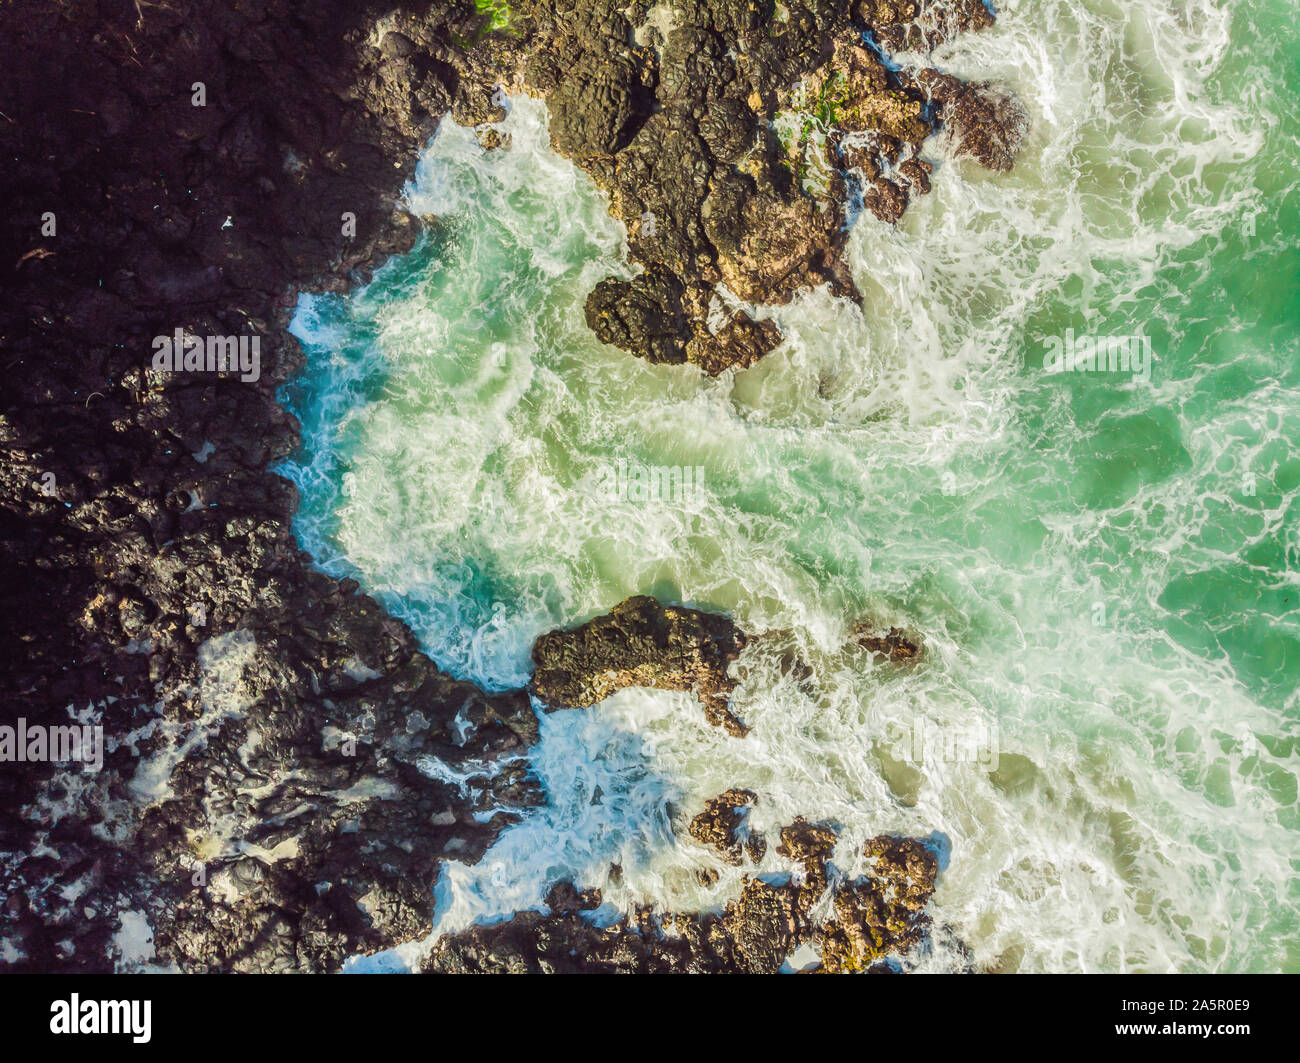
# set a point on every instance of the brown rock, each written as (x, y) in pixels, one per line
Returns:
(909, 25)
(641, 643)
(983, 123)
(883, 912)
(810, 846)
(879, 914)
(719, 825)
(894, 646)
(564, 897)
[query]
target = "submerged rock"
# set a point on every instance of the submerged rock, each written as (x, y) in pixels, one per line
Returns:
(641, 643)
(895, 645)
(565, 898)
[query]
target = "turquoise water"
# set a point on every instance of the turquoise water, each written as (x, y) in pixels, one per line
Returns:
(1104, 568)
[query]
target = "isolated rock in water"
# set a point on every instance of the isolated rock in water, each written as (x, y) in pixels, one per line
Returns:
(886, 199)
(895, 646)
(917, 174)
(643, 315)
(906, 867)
(492, 139)
(719, 826)
(641, 643)
(879, 914)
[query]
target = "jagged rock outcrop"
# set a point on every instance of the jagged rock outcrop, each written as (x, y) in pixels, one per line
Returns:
(980, 121)
(879, 914)
(641, 643)
(265, 800)
(719, 826)
(883, 912)
(920, 25)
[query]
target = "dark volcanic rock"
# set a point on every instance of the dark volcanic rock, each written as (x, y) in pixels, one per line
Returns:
(809, 847)
(641, 643)
(598, 106)
(728, 128)
(894, 646)
(983, 123)
(532, 943)
(741, 342)
(643, 315)
(262, 804)
(884, 912)
(918, 25)
(679, 132)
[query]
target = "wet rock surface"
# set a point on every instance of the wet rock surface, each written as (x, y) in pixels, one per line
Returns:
(641, 642)
(854, 924)
(920, 25)
(882, 912)
(980, 121)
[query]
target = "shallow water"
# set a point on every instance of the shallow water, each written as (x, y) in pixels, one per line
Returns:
(1103, 734)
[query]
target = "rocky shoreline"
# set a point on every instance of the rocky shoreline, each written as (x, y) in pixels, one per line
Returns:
(736, 141)
(856, 923)
(265, 801)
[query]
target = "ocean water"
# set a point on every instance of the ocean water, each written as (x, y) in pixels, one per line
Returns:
(1103, 738)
